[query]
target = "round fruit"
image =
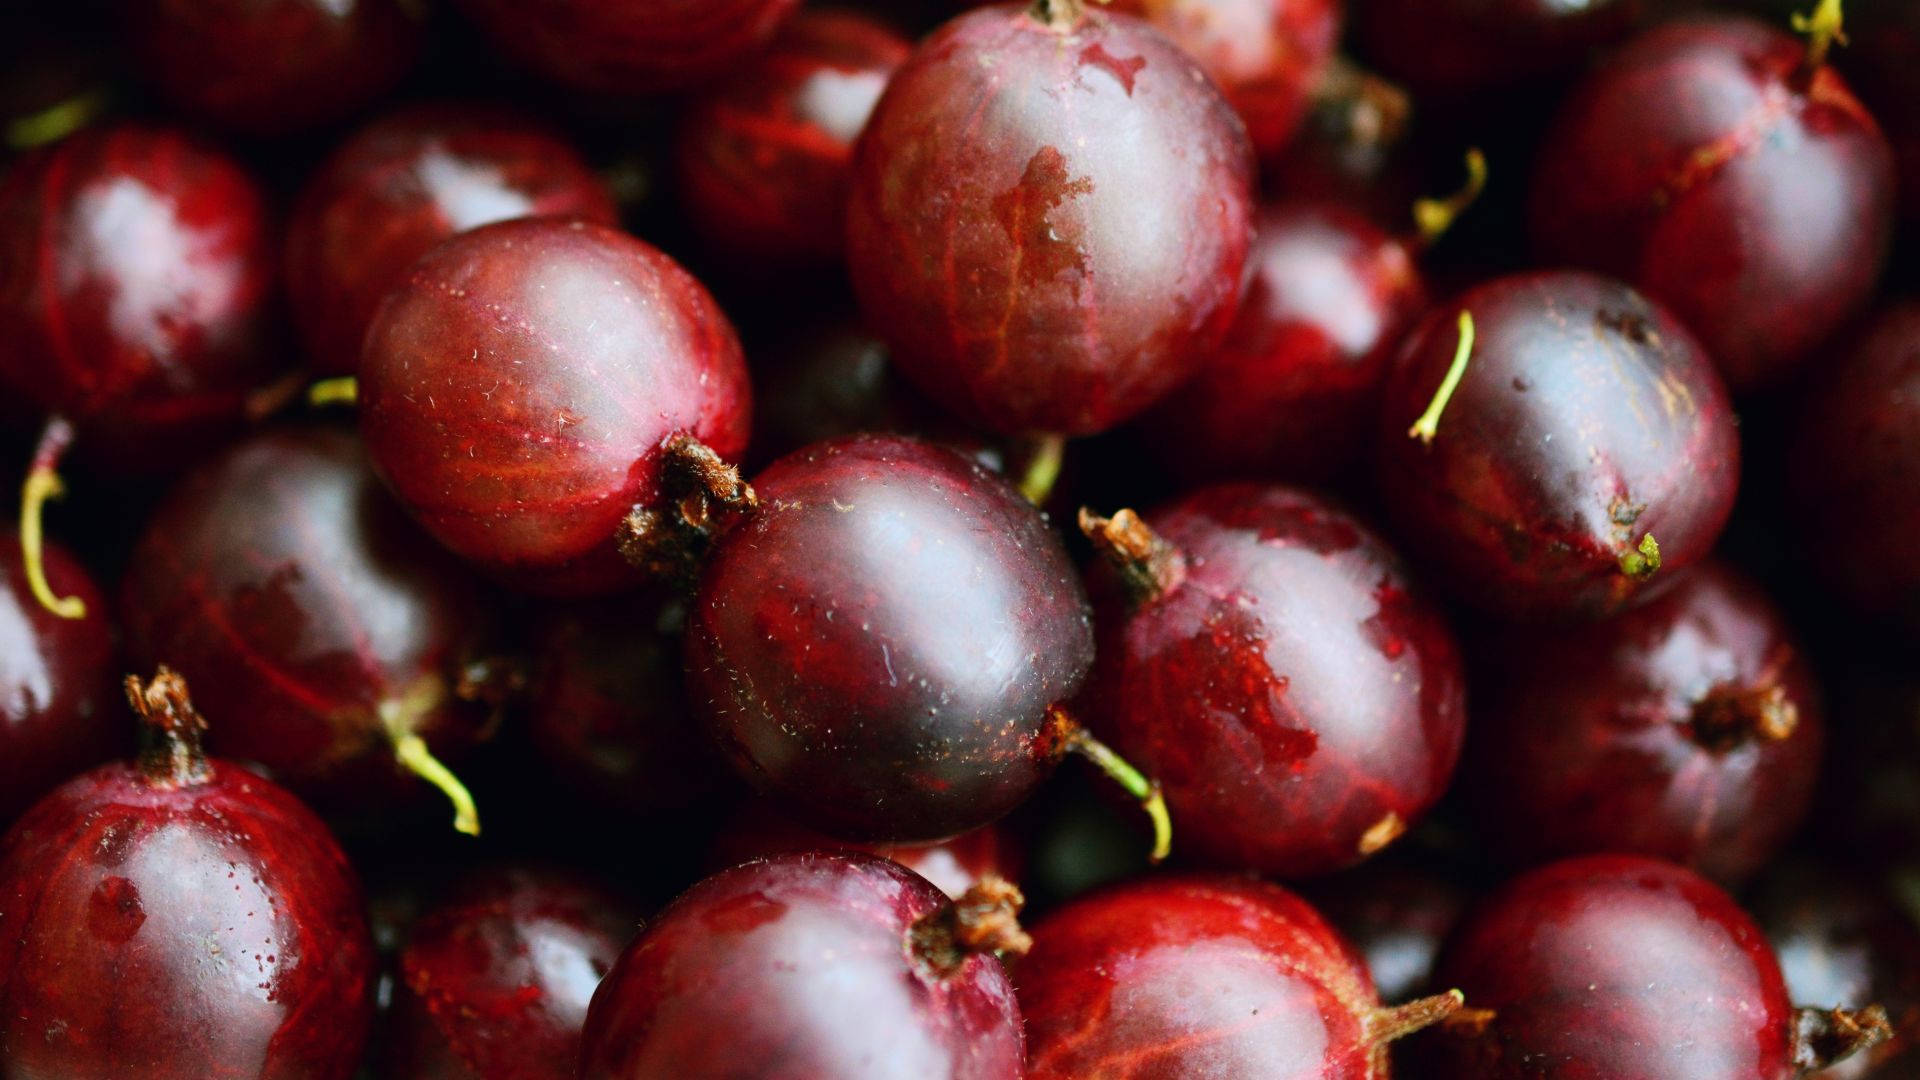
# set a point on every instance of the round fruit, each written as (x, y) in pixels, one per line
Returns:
(1586, 444)
(1456, 47)
(179, 918)
(758, 829)
(814, 965)
(532, 385)
(1049, 218)
(630, 46)
(403, 184)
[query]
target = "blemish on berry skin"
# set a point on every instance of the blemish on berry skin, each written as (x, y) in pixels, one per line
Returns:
(1122, 70)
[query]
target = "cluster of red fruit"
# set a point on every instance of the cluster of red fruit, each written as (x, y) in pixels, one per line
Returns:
(431, 488)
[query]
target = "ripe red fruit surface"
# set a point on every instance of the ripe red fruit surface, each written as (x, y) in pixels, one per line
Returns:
(757, 829)
(1049, 218)
(1266, 658)
(881, 644)
(1203, 976)
(495, 981)
(274, 66)
(286, 584)
(401, 185)
(526, 385)
(135, 269)
(812, 965)
(1586, 421)
(1629, 968)
(1712, 166)
(1455, 47)
(179, 918)
(1292, 393)
(629, 46)
(765, 158)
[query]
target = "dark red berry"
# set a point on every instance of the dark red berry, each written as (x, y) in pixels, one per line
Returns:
(533, 383)
(403, 184)
(495, 980)
(630, 47)
(1267, 56)
(1725, 170)
(1688, 728)
(1454, 47)
(814, 965)
(134, 273)
(179, 918)
(1294, 391)
(764, 159)
(1629, 968)
(758, 829)
(1204, 976)
(1397, 913)
(1266, 658)
(58, 714)
(343, 646)
(273, 66)
(1588, 444)
(881, 645)
(1049, 218)
(1857, 462)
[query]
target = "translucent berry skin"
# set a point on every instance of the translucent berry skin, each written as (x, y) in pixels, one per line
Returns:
(879, 645)
(268, 67)
(758, 829)
(403, 184)
(1293, 392)
(1857, 460)
(1705, 166)
(1195, 976)
(630, 46)
(1297, 699)
(800, 966)
(1629, 735)
(765, 159)
(1587, 419)
(519, 387)
(495, 981)
(135, 271)
(1619, 966)
(1049, 223)
(58, 710)
(1265, 55)
(1459, 47)
(303, 607)
(208, 931)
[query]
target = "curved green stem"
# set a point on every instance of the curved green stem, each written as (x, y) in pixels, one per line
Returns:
(1428, 425)
(341, 390)
(1433, 217)
(1076, 740)
(1824, 26)
(412, 751)
(43, 483)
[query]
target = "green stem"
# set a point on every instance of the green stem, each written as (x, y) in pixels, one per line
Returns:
(341, 390)
(1076, 740)
(1433, 217)
(1428, 425)
(1043, 468)
(1826, 25)
(43, 483)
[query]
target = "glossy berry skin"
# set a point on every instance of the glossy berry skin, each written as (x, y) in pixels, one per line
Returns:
(308, 611)
(1587, 419)
(800, 966)
(627, 47)
(520, 385)
(880, 644)
(1298, 701)
(1049, 219)
(1293, 392)
(757, 830)
(403, 184)
(58, 712)
(1266, 55)
(268, 67)
(1460, 47)
(764, 159)
(1705, 166)
(1619, 966)
(135, 270)
(1196, 976)
(495, 981)
(1688, 728)
(1858, 461)
(608, 709)
(205, 930)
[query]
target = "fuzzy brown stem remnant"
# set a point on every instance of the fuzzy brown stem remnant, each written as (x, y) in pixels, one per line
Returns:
(705, 497)
(1148, 566)
(44, 483)
(1823, 1038)
(1388, 1023)
(170, 753)
(1059, 15)
(1732, 715)
(1381, 833)
(984, 920)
